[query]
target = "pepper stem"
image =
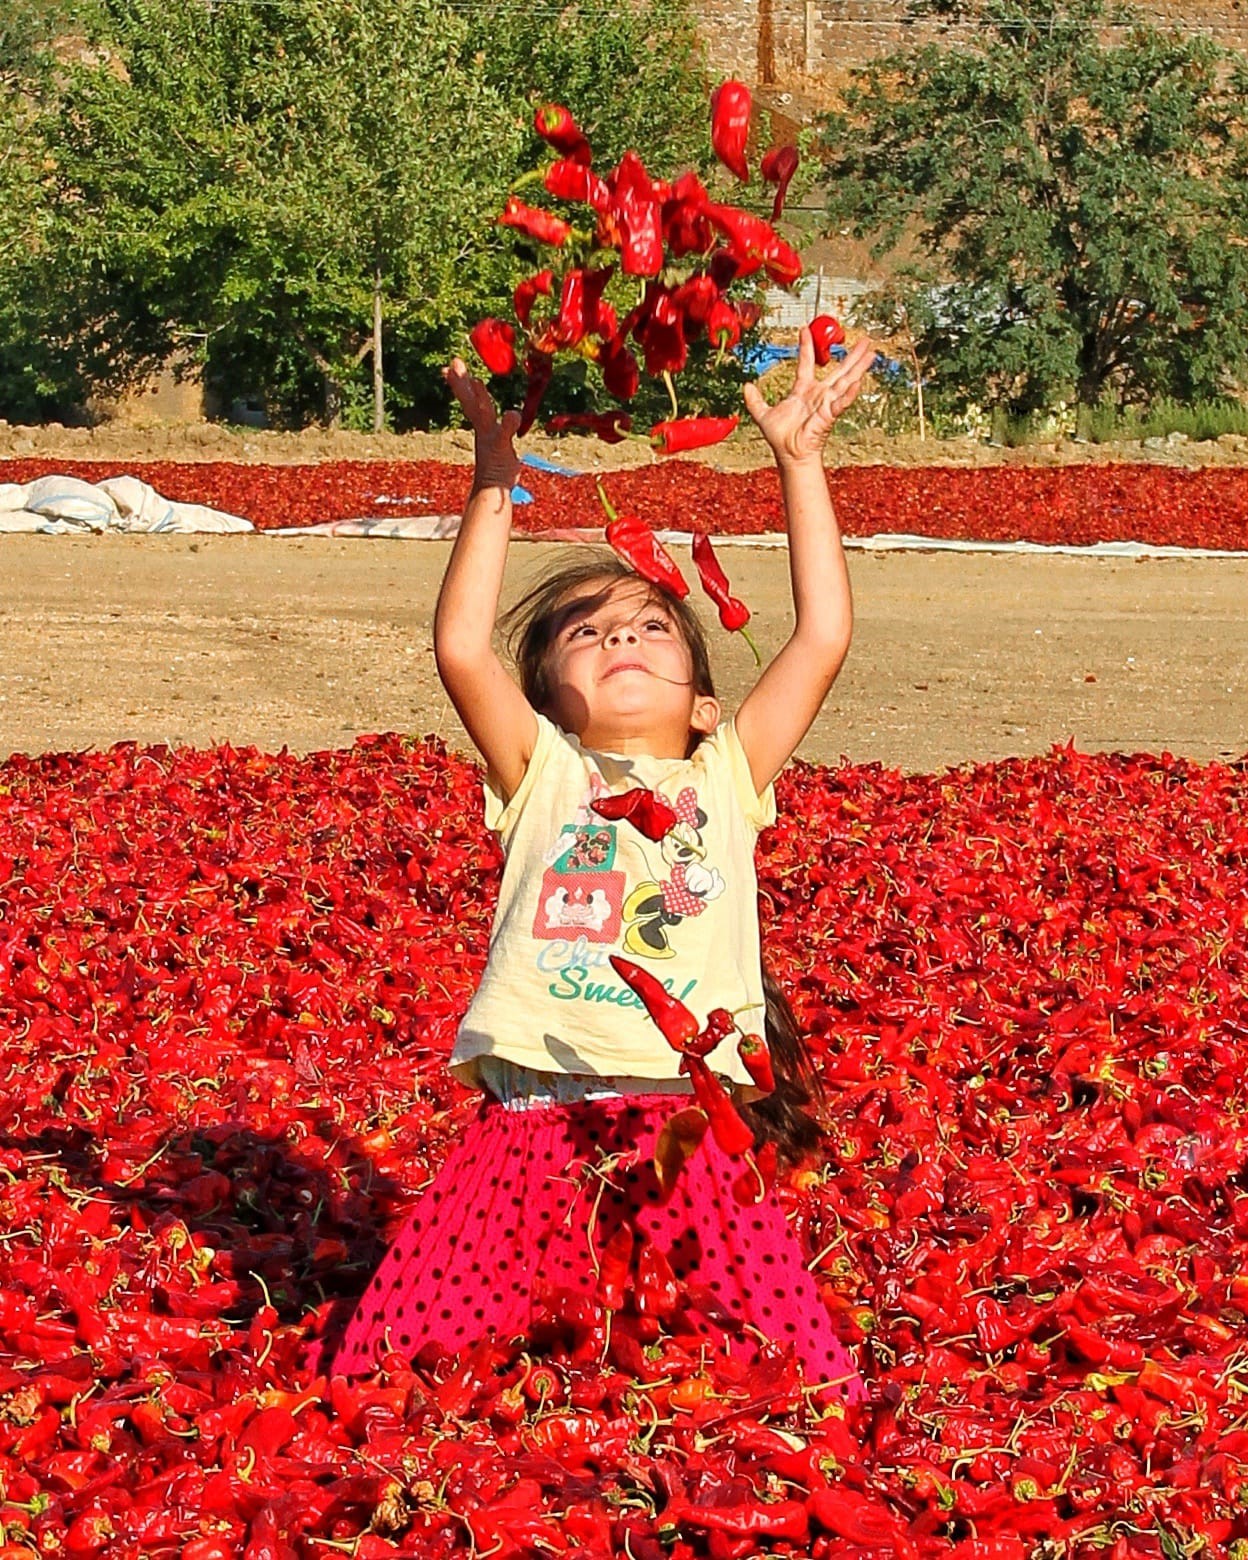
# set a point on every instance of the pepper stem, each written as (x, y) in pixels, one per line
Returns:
(606, 503)
(749, 639)
(671, 391)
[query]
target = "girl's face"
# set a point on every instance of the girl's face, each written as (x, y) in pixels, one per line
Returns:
(621, 675)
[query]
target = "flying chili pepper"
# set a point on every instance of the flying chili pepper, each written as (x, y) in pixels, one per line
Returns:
(679, 1139)
(778, 167)
(826, 332)
(676, 1023)
(538, 368)
(620, 374)
(690, 433)
(541, 225)
(728, 1128)
(730, 126)
(636, 543)
(569, 179)
(610, 427)
(753, 1051)
(525, 294)
(648, 812)
(614, 1268)
(495, 344)
(734, 615)
(555, 124)
(723, 326)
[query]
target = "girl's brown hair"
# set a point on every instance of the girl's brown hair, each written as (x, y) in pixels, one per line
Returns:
(532, 625)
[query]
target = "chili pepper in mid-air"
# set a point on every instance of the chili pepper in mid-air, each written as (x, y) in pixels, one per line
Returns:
(679, 1139)
(756, 1057)
(620, 374)
(525, 294)
(648, 812)
(730, 126)
(723, 325)
(778, 167)
(826, 332)
(610, 427)
(569, 179)
(728, 1128)
(734, 615)
(538, 368)
(613, 1270)
(535, 223)
(640, 548)
(495, 344)
(657, 1292)
(555, 124)
(690, 433)
(676, 1023)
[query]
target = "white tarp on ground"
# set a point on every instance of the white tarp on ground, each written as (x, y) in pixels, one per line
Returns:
(67, 506)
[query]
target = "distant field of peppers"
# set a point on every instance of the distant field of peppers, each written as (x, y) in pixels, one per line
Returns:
(228, 983)
(1162, 505)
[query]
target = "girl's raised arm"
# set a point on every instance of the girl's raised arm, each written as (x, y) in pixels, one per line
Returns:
(782, 706)
(495, 713)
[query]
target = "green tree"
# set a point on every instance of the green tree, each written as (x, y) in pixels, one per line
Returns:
(1064, 202)
(290, 185)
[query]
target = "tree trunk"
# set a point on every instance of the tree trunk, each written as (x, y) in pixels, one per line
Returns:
(379, 375)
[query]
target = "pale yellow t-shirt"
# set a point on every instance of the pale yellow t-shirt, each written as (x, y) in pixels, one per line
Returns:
(577, 889)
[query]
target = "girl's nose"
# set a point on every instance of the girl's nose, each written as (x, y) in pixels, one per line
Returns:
(622, 633)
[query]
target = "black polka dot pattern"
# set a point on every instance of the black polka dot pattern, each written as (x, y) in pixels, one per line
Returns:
(516, 1207)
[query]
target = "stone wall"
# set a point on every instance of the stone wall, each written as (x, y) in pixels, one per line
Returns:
(774, 42)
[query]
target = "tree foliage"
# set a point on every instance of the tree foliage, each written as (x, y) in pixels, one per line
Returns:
(1065, 201)
(246, 182)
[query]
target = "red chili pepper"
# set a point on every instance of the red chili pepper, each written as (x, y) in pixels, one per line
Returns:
(613, 1270)
(676, 1023)
(734, 615)
(732, 1134)
(658, 1292)
(636, 543)
(535, 223)
(525, 294)
(647, 811)
(752, 1050)
(495, 343)
(686, 229)
(569, 179)
(778, 167)
(620, 375)
(660, 328)
(827, 332)
(723, 325)
(569, 325)
(555, 124)
(539, 368)
(690, 433)
(756, 1518)
(730, 126)
(610, 427)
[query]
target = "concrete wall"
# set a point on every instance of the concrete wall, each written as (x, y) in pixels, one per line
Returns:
(773, 41)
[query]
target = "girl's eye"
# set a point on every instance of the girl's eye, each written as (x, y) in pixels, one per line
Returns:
(582, 629)
(658, 623)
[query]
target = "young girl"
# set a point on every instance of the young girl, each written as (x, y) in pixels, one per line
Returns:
(615, 693)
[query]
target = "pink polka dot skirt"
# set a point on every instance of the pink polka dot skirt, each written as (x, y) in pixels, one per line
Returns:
(521, 1196)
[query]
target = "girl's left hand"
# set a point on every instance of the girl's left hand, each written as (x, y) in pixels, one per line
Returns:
(798, 427)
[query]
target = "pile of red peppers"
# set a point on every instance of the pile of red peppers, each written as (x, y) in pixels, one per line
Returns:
(229, 982)
(686, 251)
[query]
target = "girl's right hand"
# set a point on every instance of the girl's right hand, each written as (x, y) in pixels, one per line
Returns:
(497, 464)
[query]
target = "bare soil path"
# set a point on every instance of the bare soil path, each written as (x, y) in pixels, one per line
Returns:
(309, 642)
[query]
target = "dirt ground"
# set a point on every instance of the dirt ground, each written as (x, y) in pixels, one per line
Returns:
(307, 642)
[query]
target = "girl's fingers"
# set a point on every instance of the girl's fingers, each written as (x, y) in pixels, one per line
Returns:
(756, 403)
(805, 361)
(510, 424)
